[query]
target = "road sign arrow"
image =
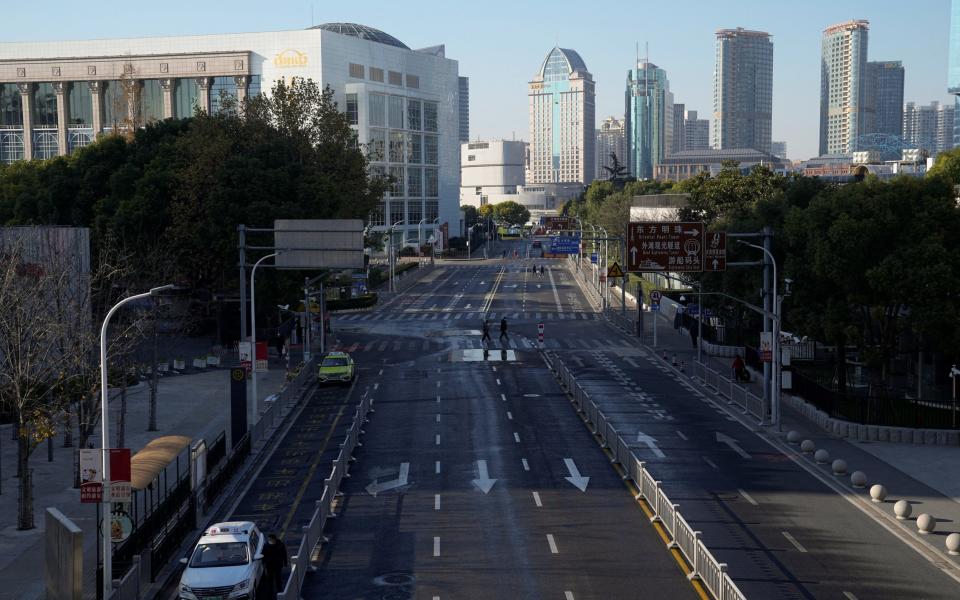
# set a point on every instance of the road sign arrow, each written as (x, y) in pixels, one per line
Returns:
(716, 264)
(651, 443)
(483, 480)
(382, 486)
(575, 478)
(726, 439)
(633, 254)
(691, 232)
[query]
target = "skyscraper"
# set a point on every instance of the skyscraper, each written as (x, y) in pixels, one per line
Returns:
(562, 134)
(885, 97)
(929, 127)
(679, 138)
(696, 132)
(743, 90)
(843, 102)
(779, 149)
(953, 69)
(464, 109)
(610, 140)
(649, 118)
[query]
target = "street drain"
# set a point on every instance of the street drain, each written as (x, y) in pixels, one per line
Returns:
(392, 579)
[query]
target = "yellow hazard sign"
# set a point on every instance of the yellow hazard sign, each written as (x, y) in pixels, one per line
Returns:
(614, 271)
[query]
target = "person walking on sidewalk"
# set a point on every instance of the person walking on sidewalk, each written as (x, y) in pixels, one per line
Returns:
(274, 560)
(503, 329)
(486, 333)
(740, 369)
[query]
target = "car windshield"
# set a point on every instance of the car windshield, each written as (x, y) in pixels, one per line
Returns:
(337, 361)
(227, 554)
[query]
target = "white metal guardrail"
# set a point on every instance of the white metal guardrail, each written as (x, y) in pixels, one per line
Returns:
(704, 565)
(283, 402)
(313, 532)
(735, 393)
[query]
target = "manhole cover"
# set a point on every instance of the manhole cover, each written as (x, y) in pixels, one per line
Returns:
(394, 579)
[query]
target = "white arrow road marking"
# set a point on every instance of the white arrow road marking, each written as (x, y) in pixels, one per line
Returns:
(376, 487)
(483, 480)
(748, 497)
(552, 543)
(651, 443)
(726, 439)
(793, 541)
(575, 478)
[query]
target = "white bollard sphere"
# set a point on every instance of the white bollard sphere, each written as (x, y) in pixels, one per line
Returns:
(902, 509)
(839, 467)
(926, 523)
(793, 437)
(807, 446)
(858, 479)
(821, 456)
(878, 493)
(953, 543)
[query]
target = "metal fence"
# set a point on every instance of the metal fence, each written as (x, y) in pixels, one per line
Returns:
(704, 565)
(749, 403)
(281, 403)
(313, 532)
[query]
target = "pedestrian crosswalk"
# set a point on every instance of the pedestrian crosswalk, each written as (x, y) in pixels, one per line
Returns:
(516, 342)
(467, 316)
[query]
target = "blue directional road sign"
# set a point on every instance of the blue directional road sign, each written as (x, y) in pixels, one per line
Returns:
(564, 245)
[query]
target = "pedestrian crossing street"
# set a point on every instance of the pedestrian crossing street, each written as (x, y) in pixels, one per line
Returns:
(516, 342)
(467, 316)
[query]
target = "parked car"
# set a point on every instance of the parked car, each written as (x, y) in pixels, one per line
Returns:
(226, 564)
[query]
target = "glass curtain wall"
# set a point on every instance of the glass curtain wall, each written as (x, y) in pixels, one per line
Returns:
(186, 97)
(223, 93)
(151, 101)
(80, 114)
(45, 141)
(115, 109)
(11, 123)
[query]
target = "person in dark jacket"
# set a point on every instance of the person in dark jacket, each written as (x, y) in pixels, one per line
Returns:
(274, 560)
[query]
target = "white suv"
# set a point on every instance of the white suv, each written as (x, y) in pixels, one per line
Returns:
(225, 565)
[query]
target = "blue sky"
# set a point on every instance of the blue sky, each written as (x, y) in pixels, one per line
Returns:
(500, 44)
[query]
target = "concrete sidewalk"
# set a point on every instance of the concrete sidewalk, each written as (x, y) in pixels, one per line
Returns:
(923, 475)
(195, 405)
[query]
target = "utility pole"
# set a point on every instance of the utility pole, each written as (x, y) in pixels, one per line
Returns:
(242, 233)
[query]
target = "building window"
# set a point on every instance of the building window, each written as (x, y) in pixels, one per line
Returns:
(356, 71)
(396, 212)
(186, 98)
(223, 93)
(413, 81)
(431, 183)
(377, 146)
(151, 99)
(414, 211)
(395, 111)
(11, 144)
(352, 109)
(45, 144)
(432, 210)
(415, 182)
(115, 106)
(471, 158)
(376, 74)
(430, 149)
(413, 115)
(394, 78)
(44, 106)
(396, 182)
(11, 108)
(378, 107)
(377, 214)
(396, 147)
(79, 101)
(429, 116)
(415, 148)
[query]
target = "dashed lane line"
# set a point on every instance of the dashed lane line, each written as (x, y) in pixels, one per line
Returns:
(437, 468)
(711, 463)
(536, 499)
(748, 497)
(436, 546)
(793, 541)
(552, 543)
(682, 437)
(516, 437)
(526, 466)
(436, 502)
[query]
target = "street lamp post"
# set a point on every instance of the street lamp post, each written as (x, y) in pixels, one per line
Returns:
(392, 257)
(954, 373)
(253, 335)
(775, 380)
(105, 437)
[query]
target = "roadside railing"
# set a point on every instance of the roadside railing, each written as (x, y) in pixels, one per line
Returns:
(313, 532)
(749, 403)
(704, 566)
(282, 402)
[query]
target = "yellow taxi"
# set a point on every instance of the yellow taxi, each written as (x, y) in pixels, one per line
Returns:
(336, 367)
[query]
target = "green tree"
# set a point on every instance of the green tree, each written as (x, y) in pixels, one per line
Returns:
(510, 213)
(947, 166)
(470, 215)
(485, 211)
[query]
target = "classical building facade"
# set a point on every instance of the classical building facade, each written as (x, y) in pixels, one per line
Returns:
(562, 120)
(403, 103)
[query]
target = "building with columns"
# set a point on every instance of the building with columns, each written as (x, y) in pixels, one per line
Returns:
(403, 103)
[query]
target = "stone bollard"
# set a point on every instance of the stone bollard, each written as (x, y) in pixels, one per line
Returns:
(821, 456)
(953, 543)
(807, 446)
(793, 437)
(878, 493)
(926, 524)
(839, 467)
(858, 479)
(902, 510)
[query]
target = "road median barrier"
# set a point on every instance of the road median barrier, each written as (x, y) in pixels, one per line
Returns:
(682, 538)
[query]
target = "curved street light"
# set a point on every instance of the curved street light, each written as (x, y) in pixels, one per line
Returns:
(253, 335)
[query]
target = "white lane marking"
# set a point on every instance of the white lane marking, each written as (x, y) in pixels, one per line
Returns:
(748, 497)
(381, 372)
(516, 437)
(509, 416)
(437, 468)
(556, 296)
(630, 362)
(498, 381)
(568, 595)
(536, 499)
(438, 369)
(438, 399)
(682, 437)
(436, 502)
(711, 463)
(438, 417)
(526, 466)
(494, 369)
(849, 596)
(436, 546)
(376, 386)
(438, 384)
(553, 544)
(438, 439)
(793, 541)
(503, 397)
